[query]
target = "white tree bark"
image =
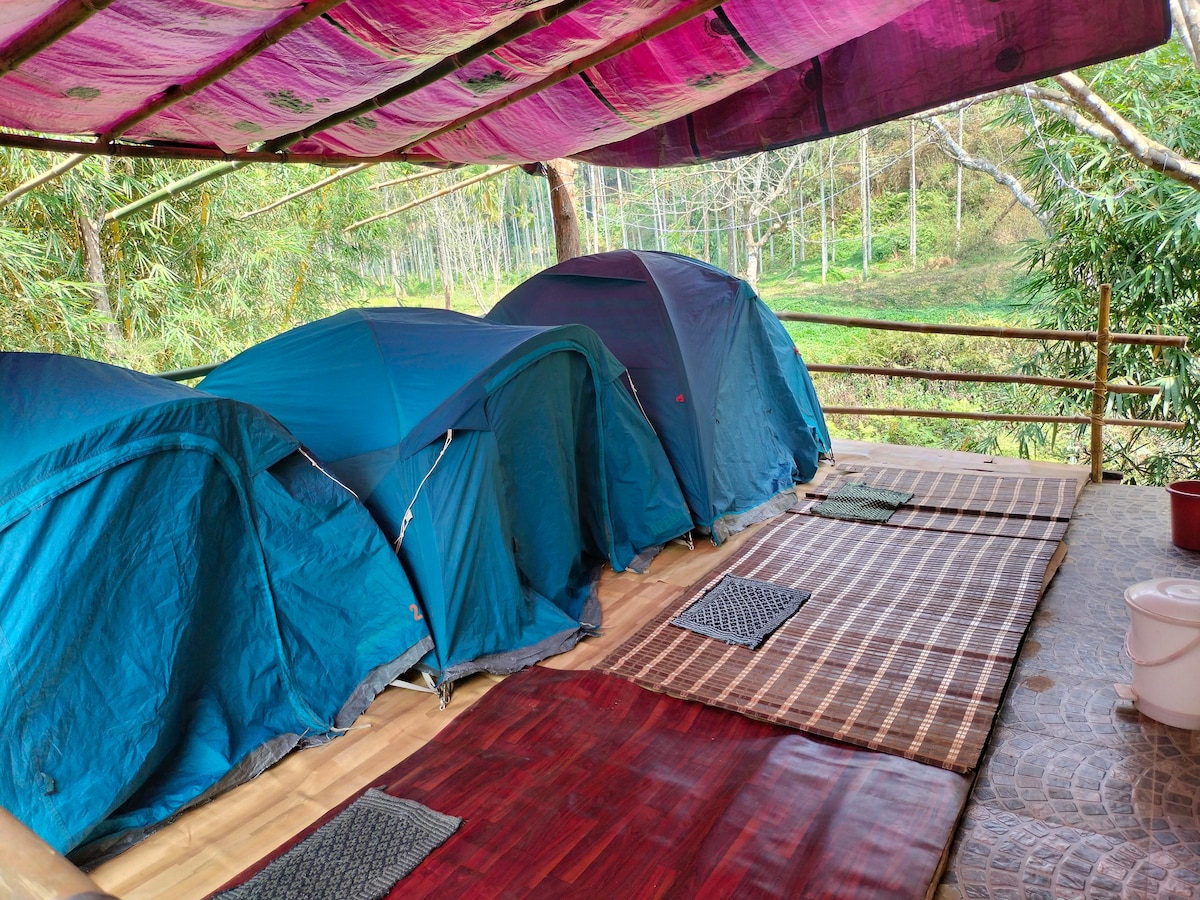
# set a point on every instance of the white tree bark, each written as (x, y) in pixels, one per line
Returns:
(1185, 14)
(956, 152)
(864, 200)
(1146, 150)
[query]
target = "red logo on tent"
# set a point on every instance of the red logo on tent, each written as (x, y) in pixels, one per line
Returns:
(679, 399)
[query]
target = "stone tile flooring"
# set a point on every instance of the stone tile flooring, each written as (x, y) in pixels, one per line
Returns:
(1080, 796)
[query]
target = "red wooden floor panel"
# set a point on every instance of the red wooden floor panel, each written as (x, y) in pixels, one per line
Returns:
(580, 784)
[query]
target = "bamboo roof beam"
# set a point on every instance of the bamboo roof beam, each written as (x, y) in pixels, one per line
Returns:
(61, 20)
(405, 180)
(337, 176)
(981, 378)
(1037, 334)
(528, 23)
(38, 180)
(491, 173)
(993, 417)
(680, 17)
(177, 92)
(204, 154)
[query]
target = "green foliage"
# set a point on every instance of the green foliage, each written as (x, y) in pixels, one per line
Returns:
(1116, 221)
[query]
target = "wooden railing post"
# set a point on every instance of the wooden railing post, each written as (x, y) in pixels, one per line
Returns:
(1100, 389)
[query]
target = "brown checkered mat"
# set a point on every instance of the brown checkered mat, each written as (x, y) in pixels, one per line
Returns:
(965, 522)
(960, 492)
(905, 646)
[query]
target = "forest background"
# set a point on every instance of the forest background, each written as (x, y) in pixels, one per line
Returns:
(1009, 210)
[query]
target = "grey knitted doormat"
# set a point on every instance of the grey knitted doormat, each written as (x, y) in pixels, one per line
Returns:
(359, 854)
(741, 610)
(862, 503)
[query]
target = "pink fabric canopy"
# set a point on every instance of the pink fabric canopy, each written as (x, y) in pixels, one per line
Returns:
(641, 83)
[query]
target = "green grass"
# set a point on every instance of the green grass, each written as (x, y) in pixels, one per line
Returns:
(961, 294)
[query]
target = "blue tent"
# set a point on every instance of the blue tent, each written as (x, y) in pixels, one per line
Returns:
(505, 463)
(184, 598)
(715, 370)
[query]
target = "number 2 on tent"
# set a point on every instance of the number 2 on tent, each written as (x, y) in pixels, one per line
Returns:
(416, 611)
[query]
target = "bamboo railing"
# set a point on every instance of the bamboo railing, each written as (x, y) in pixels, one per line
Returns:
(1100, 387)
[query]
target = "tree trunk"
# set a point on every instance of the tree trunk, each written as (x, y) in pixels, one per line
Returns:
(753, 249)
(912, 192)
(864, 199)
(952, 148)
(824, 232)
(95, 272)
(443, 255)
(596, 183)
(958, 191)
(603, 187)
(560, 173)
(803, 224)
(832, 207)
(621, 210)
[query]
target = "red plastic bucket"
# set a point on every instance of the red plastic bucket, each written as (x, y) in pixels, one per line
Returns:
(1185, 514)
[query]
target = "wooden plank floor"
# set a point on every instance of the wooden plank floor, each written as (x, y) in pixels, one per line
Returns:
(205, 847)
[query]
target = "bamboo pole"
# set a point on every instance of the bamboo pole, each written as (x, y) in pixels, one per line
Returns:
(992, 417)
(407, 206)
(680, 17)
(405, 180)
(1100, 392)
(32, 869)
(38, 180)
(205, 154)
(1037, 334)
(337, 176)
(189, 373)
(929, 375)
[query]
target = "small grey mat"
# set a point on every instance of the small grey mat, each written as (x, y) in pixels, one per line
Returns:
(741, 610)
(359, 854)
(862, 503)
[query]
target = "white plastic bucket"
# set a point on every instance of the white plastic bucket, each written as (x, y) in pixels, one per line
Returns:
(1164, 644)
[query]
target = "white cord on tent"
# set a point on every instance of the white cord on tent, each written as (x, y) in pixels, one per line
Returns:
(427, 688)
(316, 465)
(443, 690)
(638, 401)
(408, 513)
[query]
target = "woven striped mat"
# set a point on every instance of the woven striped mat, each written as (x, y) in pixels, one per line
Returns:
(959, 492)
(964, 522)
(905, 646)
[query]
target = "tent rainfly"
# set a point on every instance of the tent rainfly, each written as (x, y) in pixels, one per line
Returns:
(614, 83)
(505, 463)
(184, 598)
(715, 370)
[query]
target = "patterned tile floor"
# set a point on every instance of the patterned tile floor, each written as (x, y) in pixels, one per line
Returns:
(1080, 796)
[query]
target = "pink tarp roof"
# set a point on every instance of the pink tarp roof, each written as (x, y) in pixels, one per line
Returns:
(642, 83)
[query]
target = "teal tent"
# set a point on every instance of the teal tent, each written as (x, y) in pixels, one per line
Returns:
(505, 463)
(184, 598)
(713, 367)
